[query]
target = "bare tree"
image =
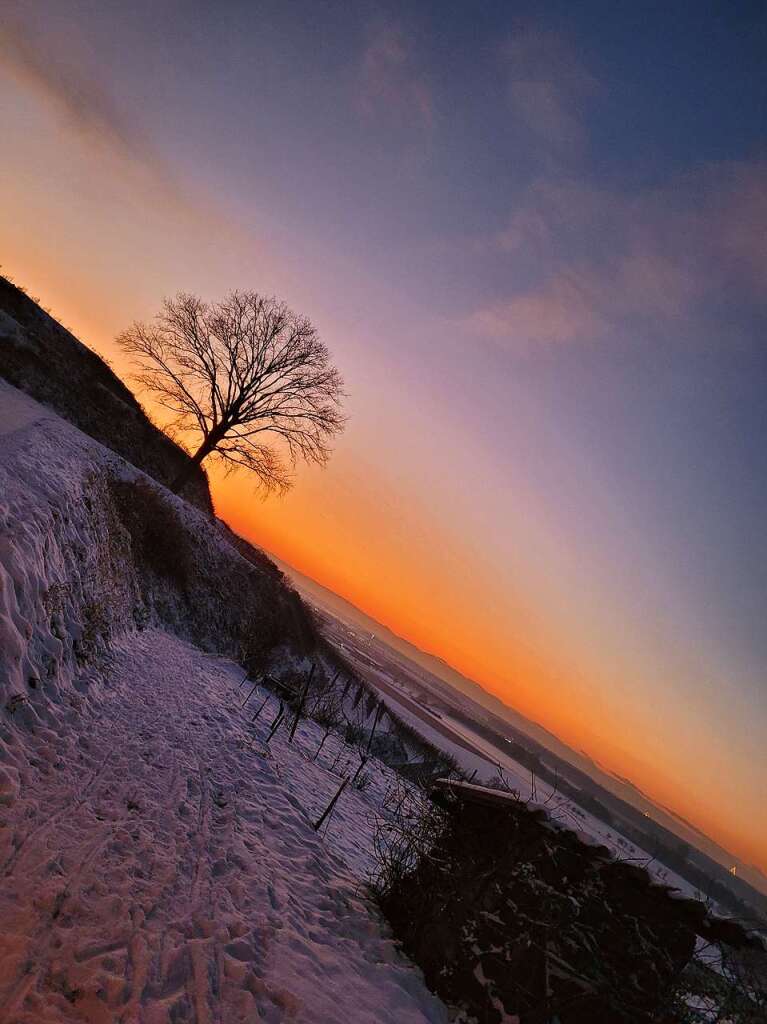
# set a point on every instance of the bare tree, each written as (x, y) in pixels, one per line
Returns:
(247, 375)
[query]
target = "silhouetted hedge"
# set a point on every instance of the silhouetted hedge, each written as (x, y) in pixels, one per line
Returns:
(159, 540)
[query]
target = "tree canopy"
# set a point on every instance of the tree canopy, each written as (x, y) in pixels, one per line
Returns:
(246, 375)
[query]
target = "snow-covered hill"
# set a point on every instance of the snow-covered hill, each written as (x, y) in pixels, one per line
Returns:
(158, 860)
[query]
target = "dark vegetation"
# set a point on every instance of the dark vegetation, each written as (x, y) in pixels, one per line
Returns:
(252, 554)
(509, 915)
(39, 356)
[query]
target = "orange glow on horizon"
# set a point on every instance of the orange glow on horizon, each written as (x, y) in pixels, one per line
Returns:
(534, 692)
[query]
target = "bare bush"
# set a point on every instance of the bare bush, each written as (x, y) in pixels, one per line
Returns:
(406, 832)
(723, 986)
(195, 584)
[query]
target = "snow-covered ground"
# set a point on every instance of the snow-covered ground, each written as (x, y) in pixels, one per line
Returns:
(158, 861)
(160, 864)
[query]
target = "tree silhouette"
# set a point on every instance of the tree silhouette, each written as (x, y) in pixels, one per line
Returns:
(247, 375)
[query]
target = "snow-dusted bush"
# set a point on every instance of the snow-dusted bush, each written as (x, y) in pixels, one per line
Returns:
(67, 583)
(192, 580)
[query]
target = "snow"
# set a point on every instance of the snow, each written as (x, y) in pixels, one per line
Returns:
(158, 860)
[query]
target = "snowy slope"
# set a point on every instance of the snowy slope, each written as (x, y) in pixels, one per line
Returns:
(157, 859)
(155, 867)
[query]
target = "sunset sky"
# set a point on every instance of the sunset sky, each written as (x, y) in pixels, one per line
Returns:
(534, 237)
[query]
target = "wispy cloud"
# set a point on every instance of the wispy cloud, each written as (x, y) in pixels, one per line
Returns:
(62, 79)
(601, 260)
(564, 309)
(549, 86)
(61, 82)
(392, 87)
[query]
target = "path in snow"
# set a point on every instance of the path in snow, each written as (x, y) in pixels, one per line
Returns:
(153, 868)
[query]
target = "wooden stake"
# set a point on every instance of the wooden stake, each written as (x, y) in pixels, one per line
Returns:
(300, 707)
(249, 696)
(379, 713)
(263, 705)
(329, 809)
(363, 762)
(276, 722)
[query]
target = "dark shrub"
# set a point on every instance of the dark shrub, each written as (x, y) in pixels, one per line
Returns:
(510, 917)
(160, 540)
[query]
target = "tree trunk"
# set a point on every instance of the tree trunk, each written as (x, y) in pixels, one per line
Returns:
(183, 478)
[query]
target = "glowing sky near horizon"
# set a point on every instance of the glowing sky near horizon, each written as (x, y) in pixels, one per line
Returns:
(534, 239)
